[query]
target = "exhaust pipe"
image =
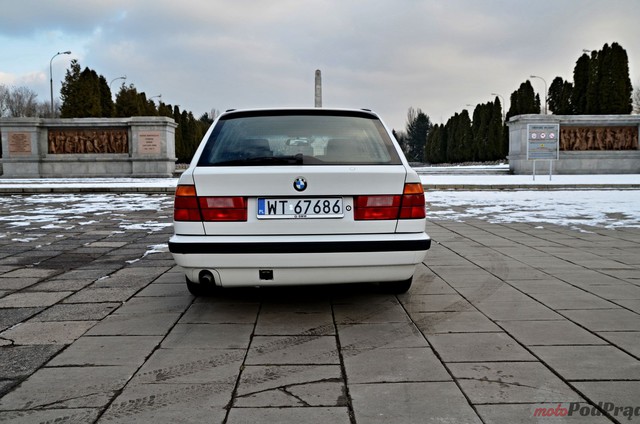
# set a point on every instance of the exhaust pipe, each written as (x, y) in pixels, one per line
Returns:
(206, 277)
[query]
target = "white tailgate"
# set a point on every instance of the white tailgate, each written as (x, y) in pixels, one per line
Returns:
(277, 182)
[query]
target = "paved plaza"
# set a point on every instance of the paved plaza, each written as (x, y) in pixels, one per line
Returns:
(505, 323)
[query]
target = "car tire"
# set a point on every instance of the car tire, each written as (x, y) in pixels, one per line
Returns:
(197, 289)
(396, 287)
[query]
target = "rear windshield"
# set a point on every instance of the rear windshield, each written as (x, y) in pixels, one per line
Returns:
(295, 138)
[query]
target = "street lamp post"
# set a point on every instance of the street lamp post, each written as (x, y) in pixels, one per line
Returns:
(124, 77)
(51, 76)
(153, 97)
(545, 91)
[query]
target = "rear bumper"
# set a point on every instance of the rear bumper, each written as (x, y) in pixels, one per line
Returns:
(237, 261)
(188, 245)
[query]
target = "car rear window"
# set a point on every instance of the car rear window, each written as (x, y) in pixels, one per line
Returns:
(299, 137)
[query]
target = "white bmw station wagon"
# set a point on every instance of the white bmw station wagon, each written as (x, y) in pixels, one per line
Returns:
(299, 196)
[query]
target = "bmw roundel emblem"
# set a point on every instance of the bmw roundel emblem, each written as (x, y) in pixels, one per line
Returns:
(300, 184)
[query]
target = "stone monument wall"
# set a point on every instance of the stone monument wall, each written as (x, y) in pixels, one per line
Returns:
(88, 147)
(589, 144)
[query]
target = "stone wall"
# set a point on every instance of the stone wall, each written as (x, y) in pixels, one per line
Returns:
(589, 144)
(88, 147)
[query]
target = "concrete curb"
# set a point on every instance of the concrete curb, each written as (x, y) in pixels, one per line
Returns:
(86, 190)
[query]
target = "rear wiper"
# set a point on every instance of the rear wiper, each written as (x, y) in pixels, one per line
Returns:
(265, 160)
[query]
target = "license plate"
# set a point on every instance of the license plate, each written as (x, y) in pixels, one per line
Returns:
(325, 207)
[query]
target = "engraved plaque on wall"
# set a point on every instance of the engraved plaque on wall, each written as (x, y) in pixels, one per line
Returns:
(88, 141)
(149, 143)
(19, 143)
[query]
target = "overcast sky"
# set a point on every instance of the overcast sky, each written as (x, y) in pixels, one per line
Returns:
(385, 55)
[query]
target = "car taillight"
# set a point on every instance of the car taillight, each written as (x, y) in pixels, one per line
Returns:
(189, 207)
(223, 208)
(410, 205)
(376, 207)
(413, 203)
(185, 206)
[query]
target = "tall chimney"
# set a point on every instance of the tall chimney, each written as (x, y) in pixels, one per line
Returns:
(318, 97)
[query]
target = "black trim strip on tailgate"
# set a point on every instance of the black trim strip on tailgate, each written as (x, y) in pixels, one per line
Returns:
(301, 247)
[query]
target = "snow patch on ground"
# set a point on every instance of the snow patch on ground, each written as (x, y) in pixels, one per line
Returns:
(65, 211)
(598, 208)
(155, 248)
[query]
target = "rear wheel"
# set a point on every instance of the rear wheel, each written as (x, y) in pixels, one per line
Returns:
(396, 287)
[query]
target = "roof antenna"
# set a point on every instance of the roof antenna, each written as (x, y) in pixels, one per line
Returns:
(318, 97)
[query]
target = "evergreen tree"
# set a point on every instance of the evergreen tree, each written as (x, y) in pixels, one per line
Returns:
(401, 138)
(90, 101)
(430, 151)
(605, 79)
(486, 129)
(459, 137)
(616, 82)
(85, 94)
(165, 110)
(496, 149)
(560, 93)
(201, 128)
(148, 106)
(442, 150)
(480, 132)
(190, 135)
(580, 85)
(444, 138)
(593, 86)
(107, 105)
(128, 102)
(454, 142)
(70, 91)
(207, 119)
(524, 101)
(437, 145)
(450, 142)
(418, 126)
(601, 83)
(465, 137)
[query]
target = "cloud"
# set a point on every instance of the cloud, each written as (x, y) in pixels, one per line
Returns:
(385, 55)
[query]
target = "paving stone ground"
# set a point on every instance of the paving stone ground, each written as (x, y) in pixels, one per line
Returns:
(505, 323)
